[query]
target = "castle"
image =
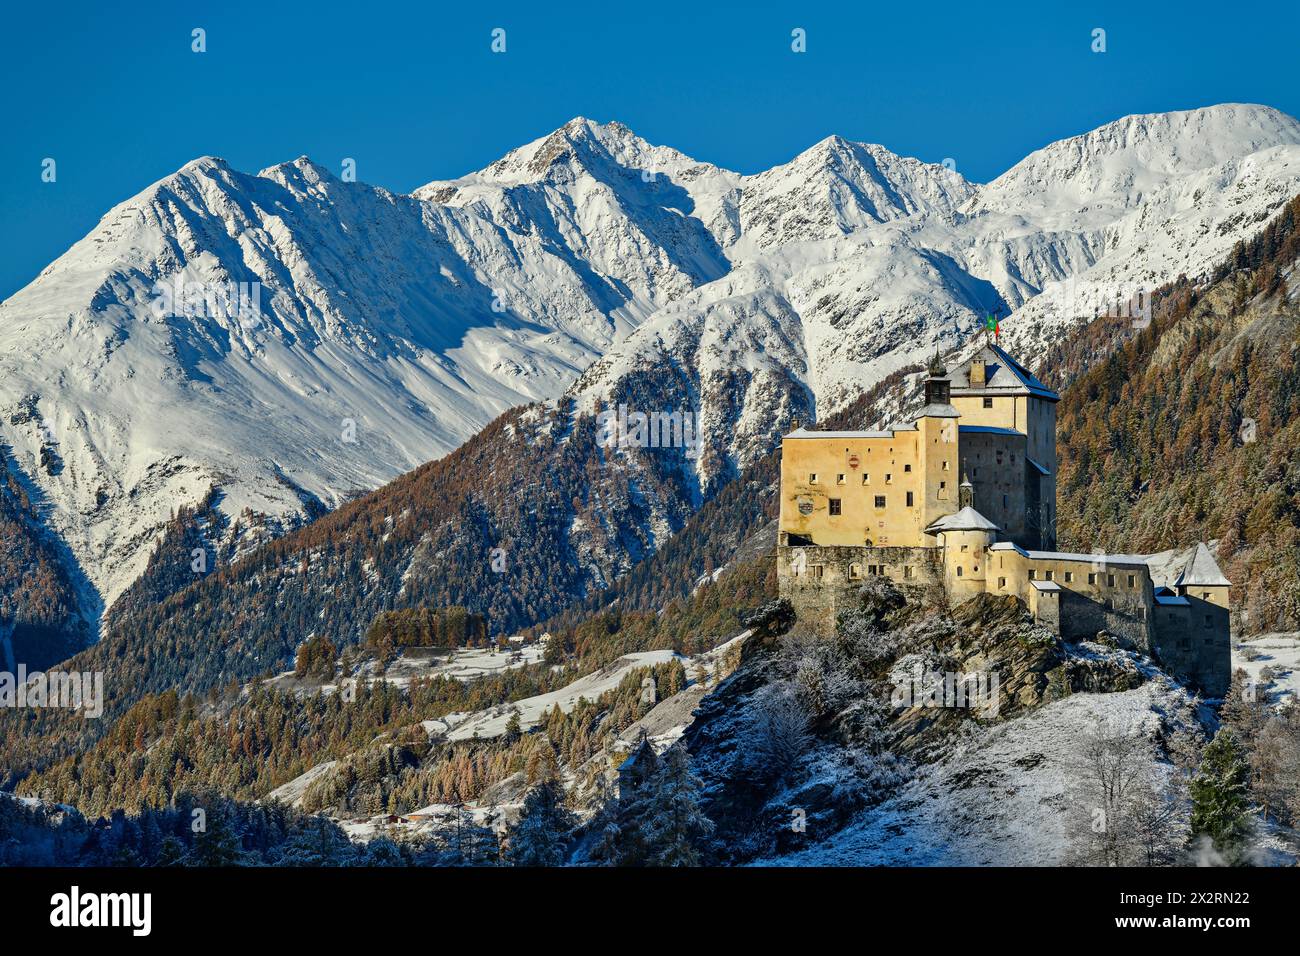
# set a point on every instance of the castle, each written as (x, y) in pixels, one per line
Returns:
(963, 498)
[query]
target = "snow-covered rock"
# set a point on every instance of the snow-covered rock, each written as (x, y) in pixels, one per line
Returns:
(998, 795)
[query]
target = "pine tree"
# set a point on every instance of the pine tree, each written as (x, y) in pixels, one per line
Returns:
(171, 853)
(676, 827)
(382, 852)
(541, 836)
(216, 845)
(1245, 709)
(607, 849)
(514, 729)
(1220, 805)
(316, 843)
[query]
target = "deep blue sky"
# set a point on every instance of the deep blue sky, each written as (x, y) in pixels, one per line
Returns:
(412, 91)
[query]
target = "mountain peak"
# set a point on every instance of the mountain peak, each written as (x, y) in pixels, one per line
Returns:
(203, 163)
(832, 142)
(582, 147)
(1133, 155)
(300, 174)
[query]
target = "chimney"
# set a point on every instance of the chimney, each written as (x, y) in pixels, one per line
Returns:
(978, 373)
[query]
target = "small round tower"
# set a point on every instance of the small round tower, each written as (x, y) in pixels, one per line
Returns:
(965, 538)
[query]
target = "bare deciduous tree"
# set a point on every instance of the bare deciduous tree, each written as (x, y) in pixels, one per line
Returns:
(1127, 809)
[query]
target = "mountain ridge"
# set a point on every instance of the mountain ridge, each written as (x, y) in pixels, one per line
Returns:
(588, 264)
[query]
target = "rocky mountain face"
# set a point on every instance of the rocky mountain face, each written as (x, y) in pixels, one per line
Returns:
(379, 331)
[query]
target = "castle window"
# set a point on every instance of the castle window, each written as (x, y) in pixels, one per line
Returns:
(812, 478)
(909, 499)
(907, 571)
(1049, 575)
(1207, 621)
(907, 468)
(945, 466)
(871, 569)
(1033, 575)
(1205, 595)
(1110, 580)
(943, 489)
(880, 501)
(866, 478)
(1002, 582)
(835, 506)
(959, 570)
(963, 547)
(839, 479)
(814, 570)
(1004, 501)
(1069, 576)
(855, 572)
(1092, 579)
(988, 401)
(889, 478)
(975, 567)
(1130, 580)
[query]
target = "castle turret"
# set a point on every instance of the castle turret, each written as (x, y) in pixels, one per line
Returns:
(966, 537)
(938, 390)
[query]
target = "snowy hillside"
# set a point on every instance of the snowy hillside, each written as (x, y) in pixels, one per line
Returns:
(996, 796)
(492, 723)
(388, 328)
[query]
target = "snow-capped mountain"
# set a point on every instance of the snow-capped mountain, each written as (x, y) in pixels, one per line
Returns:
(853, 263)
(390, 328)
(383, 331)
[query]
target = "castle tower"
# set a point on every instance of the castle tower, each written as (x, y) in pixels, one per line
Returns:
(1203, 585)
(937, 449)
(965, 536)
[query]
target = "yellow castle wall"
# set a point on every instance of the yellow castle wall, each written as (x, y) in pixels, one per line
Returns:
(816, 470)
